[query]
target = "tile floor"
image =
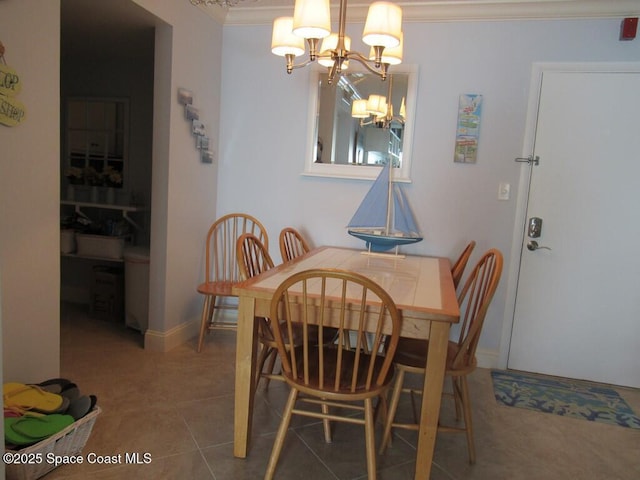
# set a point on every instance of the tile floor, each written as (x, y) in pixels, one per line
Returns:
(178, 407)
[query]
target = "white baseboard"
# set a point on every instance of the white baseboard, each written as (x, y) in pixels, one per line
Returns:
(157, 341)
(488, 358)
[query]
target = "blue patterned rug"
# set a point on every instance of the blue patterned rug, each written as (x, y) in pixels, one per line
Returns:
(570, 398)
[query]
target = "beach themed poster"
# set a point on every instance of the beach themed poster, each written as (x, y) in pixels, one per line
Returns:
(468, 128)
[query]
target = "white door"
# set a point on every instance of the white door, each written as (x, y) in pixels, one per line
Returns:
(577, 311)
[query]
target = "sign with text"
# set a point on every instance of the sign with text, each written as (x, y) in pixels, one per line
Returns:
(12, 111)
(468, 129)
(10, 84)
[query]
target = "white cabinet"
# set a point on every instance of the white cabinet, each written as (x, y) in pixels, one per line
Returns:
(95, 164)
(97, 141)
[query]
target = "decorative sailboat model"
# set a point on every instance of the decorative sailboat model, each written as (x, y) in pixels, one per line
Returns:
(384, 219)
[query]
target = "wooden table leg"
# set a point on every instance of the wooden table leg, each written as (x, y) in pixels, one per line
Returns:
(246, 342)
(431, 398)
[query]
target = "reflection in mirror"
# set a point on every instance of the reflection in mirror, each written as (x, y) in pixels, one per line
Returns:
(360, 122)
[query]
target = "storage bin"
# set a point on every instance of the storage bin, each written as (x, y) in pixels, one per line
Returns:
(67, 241)
(67, 442)
(100, 246)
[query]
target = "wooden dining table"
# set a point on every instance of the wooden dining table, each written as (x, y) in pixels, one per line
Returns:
(422, 289)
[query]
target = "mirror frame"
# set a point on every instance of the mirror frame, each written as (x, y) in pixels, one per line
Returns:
(402, 174)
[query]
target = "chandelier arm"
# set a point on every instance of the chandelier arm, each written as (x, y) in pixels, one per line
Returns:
(380, 71)
(303, 64)
(325, 54)
(290, 58)
(333, 70)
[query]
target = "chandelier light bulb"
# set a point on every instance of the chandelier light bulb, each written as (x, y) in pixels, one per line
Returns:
(312, 18)
(359, 109)
(390, 55)
(377, 105)
(283, 41)
(383, 27)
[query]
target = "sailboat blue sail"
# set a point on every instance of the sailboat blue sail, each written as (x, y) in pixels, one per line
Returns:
(384, 219)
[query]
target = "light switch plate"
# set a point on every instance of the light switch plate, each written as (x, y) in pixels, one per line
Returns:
(504, 190)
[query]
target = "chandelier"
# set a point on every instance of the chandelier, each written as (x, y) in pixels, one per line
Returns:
(222, 3)
(378, 110)
(311, 22)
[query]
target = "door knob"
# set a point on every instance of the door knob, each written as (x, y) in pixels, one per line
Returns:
(533, 245)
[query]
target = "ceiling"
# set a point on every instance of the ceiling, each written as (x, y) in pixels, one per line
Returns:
(116, 26)
(264, 11)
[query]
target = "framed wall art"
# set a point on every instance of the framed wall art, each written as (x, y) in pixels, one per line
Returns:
(468, 128)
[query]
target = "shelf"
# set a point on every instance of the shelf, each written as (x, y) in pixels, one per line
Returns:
(106, 206)
(88, 257)
(125, 209)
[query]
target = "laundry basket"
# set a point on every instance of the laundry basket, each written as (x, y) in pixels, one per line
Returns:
(38, 458)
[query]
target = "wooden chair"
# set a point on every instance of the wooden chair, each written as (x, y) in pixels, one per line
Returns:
(221, 267)
(254, 259)
(292, 244)
(411, 354)
(461, 263)
(323, 376)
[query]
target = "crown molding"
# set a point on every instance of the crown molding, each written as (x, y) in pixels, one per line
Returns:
(219, 14)
(456, 10)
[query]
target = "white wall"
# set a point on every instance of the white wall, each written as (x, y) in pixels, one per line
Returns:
(263, 135)
(184, 196)
(29, 195)
(188, 55)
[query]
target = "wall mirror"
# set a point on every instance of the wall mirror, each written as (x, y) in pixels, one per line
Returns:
(345, 142)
